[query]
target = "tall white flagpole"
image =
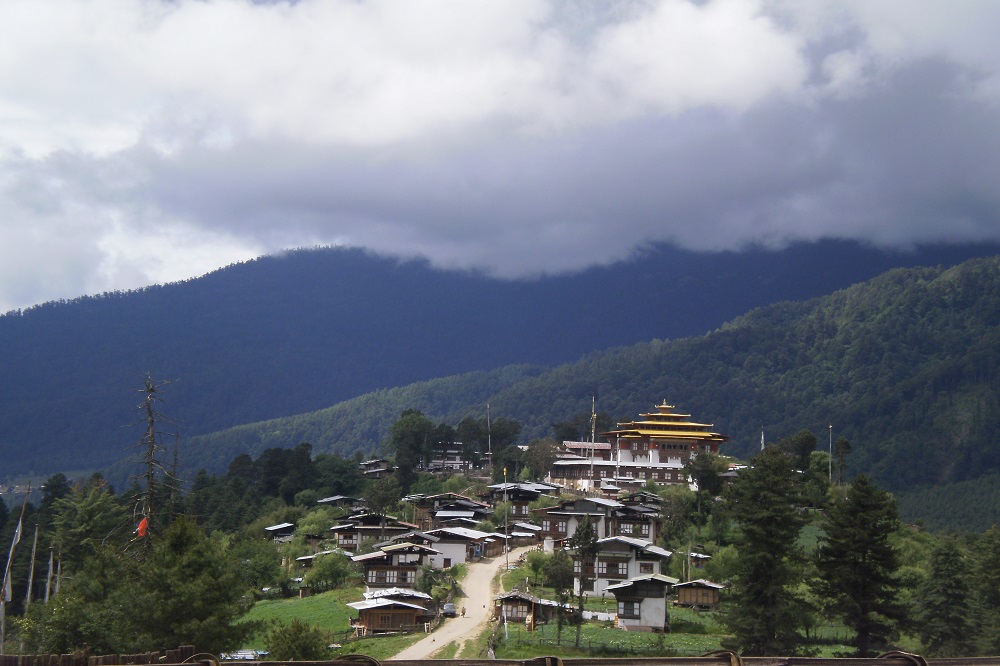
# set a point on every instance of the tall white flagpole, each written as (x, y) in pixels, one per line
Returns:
(48, 578)
(31, 571)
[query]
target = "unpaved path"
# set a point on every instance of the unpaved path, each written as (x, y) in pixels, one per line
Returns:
(478, 603)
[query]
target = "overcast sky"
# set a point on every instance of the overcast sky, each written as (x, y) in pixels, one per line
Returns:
(144, 141)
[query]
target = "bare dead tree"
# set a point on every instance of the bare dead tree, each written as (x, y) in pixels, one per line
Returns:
(151, 451)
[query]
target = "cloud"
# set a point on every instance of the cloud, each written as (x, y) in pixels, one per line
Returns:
(144, 141)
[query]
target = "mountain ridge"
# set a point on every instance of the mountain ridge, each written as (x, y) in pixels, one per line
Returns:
(284, 335)
(906, 366)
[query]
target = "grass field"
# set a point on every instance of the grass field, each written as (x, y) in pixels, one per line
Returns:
(694, 633)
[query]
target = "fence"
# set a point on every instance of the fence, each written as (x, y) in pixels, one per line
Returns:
(180, 655)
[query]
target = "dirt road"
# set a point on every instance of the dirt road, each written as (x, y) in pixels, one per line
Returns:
(478, 603)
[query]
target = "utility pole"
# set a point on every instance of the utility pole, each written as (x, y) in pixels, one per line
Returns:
(489, 438)
(830, 461)
(506, 532)
(593, 439)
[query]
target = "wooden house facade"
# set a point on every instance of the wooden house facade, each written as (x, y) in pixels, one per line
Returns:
(699, 593)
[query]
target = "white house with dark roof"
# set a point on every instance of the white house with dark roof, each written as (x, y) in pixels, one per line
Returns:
(619, 559)
(395, 565)
(642, 602)
(609, 517)
(462, 544)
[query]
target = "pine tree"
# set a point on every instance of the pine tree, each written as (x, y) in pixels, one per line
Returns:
(584, 544)
(857, 565)
(767, 611)
(986, 583)
(943, 613)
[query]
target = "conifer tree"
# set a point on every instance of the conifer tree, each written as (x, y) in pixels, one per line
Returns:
(584, 544)
(943, 611)
(767, 611)
(559, 574)
(986, 583)
(857, 565)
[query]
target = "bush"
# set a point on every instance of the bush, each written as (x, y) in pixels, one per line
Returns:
(296, 641)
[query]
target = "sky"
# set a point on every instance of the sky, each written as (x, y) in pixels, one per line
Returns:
(149, 141)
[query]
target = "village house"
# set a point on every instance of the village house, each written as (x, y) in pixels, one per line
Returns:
(457, 545)
(447, 509)
(608, 517)
(342, 501)
(376, 468)
(414, 536)
(391, 609)
(698, 593)
(395, 565)
(519, 496)
(281, 532)
(521, 607)
(307, 561)
(451, 459)
(642, 602)
(360, 527)
(619, 559)
(654, 448)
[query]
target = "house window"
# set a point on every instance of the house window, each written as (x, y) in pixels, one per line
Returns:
(561, 527)
(447, 563)
(577, 568)
(602, 568)
(515, 611)
(384, 620)
(629, 609)
(546, 525)
(645, 567)
(644, 529)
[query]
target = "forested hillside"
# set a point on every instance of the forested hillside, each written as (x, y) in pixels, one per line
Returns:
(287, 335)
(904, 366)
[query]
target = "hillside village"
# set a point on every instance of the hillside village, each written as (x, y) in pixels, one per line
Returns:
(643, 529)
(599, 482)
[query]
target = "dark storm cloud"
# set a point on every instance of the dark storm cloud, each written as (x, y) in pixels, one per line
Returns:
(520, 138)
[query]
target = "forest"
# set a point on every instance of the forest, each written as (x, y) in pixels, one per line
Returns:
(307, 330)
(904, 366)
